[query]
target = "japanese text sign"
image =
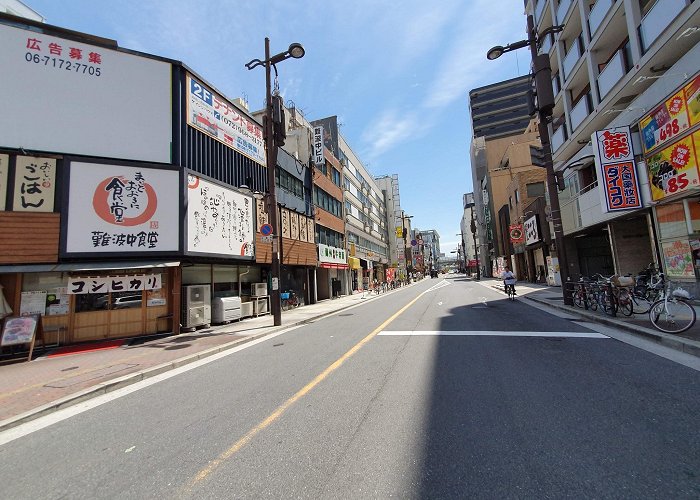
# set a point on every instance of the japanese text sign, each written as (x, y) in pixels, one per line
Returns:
(117, 208)
(517, 236)
(215, 116)
(678, 257)
(617, 169)
(674, 169)
(665, 122)
(219, 219)
(35, 184)
(81, 286)
(318, 146)
(692, 100)
(532, 233)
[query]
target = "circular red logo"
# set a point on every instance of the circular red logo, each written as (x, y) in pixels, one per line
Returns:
(105, 210)
(680, 156)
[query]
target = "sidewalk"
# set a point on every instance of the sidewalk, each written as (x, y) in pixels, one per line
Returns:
(639, 324)
(29, 390)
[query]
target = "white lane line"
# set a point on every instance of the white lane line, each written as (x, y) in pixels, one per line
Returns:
(439, 285)
(476, 333)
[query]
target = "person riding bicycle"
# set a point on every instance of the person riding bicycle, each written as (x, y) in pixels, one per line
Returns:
(508, 280)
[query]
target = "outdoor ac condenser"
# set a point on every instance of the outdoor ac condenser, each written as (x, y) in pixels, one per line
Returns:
(196, 310)
(258, 289)
(225, 309)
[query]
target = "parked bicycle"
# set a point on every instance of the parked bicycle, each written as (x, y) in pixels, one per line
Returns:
(673, 313)
(289, 300)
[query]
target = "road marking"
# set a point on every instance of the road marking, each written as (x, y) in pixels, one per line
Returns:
(275, 415)
(477, 333)
(438, 285)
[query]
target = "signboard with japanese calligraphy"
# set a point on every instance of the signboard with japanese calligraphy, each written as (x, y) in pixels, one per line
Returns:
(674, 169)
(303, 229)
(121, 209)
(261, 213)
(617, 169)
(219, 220)
(4, 167)
(35, 184)
(319, 160)
(61, 97)
(532, 231)
(284, 223)
(517, 235)
(210, 113)
(294, 226)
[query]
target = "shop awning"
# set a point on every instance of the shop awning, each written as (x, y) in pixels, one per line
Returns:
(87, 266)
(354, 262)
(103, 266)
(332, 265)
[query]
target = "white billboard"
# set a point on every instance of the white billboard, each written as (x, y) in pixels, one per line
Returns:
(219, 219)
(216, 117)
(69, 97)
(116, 208)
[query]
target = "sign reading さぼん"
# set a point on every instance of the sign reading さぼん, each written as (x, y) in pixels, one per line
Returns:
(119, 208)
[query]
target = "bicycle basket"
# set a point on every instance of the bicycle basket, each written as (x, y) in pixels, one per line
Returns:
(623, 280)
(284, 295)
(680, 293)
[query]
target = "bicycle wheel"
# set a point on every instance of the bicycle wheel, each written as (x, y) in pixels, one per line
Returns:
(624, 302)
(672, 316)
(578, 298)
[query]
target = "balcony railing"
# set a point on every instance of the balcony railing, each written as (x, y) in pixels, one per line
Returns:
(558, 138)
(611, 74)
(657, 20)
(562, 10)
(597, 15)
(556, 84)
(580, 112)
(571, 59)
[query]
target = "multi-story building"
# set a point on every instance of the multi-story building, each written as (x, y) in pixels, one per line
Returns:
(468, 235)
(395, 217)
(115, 226)
(366, 236)
(429, 240)
(625, 82)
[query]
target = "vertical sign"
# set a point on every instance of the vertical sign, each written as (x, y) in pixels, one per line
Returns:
(35, 183)
(532, 233)
(284, 222)
(617, 169)
(318, 146)
(4, 161)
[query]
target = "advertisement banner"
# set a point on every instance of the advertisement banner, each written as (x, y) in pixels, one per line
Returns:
(532, 233)
(219, 219)
(678, 259)
(330, 133)
(692, 99)
(71, 97)
(35, 184)
(517, 235)
(215, 116)
(674, 169)
(614, 160)
(666, 122)
(118, 208)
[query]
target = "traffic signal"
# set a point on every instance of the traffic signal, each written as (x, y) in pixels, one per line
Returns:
(279, 128)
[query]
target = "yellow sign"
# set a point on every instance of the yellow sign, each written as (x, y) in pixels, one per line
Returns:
(674, 169)
(354, 262)
(692, 99)
(399, 232)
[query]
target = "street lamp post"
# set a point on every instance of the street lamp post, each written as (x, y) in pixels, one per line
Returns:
(296, 51)
(545, 105)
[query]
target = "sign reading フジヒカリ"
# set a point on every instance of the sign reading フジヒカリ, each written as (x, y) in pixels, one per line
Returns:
(125, 209)
(617, 169)
(318, 146)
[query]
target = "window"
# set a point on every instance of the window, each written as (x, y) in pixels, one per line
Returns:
(327, 202)
(289, 183)
(517, 197)
(671, 219)
(535, 189)
(335, 177)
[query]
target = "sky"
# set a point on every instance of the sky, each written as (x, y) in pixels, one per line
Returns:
(397, 74)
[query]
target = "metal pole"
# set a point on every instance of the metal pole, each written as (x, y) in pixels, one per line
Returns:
(271, 153)
(551, 178)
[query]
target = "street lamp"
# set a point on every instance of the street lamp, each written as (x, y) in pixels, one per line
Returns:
(545, 105)
(272, 141)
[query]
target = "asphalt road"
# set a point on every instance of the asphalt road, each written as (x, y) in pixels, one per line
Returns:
(404, 396)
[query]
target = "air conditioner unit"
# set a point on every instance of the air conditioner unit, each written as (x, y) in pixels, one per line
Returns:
(225, 309)
(196, 306)
(258, 289)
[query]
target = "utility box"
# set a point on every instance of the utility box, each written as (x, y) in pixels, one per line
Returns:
(246, 309)
(225, 309)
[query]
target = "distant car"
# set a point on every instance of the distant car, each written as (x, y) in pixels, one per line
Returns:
(126, 302)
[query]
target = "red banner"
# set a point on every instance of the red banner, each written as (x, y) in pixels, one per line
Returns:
(517, 235)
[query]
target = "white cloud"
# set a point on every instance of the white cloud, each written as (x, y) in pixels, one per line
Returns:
(390, 129)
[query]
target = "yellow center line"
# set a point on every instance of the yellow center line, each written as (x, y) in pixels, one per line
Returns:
(275, 415)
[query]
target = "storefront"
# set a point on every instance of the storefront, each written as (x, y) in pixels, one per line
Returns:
(330, 275)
